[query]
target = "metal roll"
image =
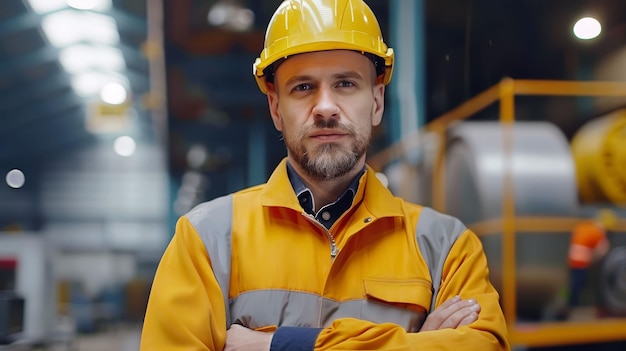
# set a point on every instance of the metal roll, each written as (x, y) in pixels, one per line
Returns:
(543, 180)
(411, 177)
(599, 150)
(541, 165)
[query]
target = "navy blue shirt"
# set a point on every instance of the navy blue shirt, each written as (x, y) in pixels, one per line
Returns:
(302, 338)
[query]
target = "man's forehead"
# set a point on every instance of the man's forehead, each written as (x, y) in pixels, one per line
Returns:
(335, 62)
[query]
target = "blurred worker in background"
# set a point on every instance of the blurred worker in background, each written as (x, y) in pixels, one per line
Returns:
(322, 256)
(588, 244)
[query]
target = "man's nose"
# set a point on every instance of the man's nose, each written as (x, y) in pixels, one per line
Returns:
(325, 104)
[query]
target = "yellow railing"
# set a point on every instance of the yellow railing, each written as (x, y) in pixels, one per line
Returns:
(524, 334)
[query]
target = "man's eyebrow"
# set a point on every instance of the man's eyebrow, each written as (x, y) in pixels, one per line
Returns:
(339, 75)
(348, 74)
(298, 79)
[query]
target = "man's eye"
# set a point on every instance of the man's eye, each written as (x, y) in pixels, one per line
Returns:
(345, 84)
(302, 87)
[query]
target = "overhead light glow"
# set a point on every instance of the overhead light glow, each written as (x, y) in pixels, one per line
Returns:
(71, 26)
(100, 5)
(91, 83)
(587, 28)
(82, 57)
(197, 156)
(46, 6)
(15, 178)
(124, 146)
(231, 15)
(113, 93)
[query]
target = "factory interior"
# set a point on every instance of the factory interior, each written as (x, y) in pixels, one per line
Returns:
(119, 116)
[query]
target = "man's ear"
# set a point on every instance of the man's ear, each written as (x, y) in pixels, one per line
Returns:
(378, 106)
(272, 101)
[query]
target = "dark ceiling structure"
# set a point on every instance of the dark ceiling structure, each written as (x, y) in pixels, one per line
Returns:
(41, 116)
(213, 100)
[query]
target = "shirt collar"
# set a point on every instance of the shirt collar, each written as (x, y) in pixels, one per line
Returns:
(305, 197)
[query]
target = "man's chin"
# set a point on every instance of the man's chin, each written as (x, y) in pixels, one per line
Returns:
(330, 166)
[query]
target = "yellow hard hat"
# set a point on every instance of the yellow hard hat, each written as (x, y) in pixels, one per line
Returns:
(300, 26)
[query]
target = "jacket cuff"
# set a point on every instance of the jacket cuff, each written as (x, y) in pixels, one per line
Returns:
(294, 339)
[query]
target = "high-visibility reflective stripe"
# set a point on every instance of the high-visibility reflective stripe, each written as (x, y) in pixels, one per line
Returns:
(580, 254)
(213, 222)
(436, 233)
(263, 308)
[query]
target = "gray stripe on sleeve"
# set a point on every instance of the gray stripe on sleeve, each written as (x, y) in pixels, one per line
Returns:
(213, 222)
(436, 233)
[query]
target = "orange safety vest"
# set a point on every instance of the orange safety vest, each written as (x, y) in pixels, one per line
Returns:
(586, 236)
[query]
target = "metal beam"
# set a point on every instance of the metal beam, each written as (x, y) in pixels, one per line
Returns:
(27, 92)
(44, 140)
(19, 23)
(39, 112)
(20, 63)
(407, 88)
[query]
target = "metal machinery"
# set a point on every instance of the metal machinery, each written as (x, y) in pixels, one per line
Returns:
(11, 316)
(600, 151)
(522, 187)
(28, 290)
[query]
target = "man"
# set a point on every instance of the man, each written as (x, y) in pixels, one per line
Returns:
(588, 244)
(322, 256)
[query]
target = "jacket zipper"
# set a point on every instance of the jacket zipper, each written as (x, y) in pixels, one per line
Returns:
(333, 245)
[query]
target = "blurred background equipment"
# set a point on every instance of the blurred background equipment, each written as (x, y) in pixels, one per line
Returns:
(544, 184)
(540, 159)
(513, 180)
(599, 148)
(11, 316)
(28, 277)
(612, 285)
(11, 304)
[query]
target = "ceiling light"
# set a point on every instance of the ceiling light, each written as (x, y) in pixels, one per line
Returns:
(82, 57)
(71, 26)
(124, 146)
(230, 14)
(89, 84)
(197, 156)
(46, 6)
(113, 93)
(587, 28)
(15, 179)
(101, 5)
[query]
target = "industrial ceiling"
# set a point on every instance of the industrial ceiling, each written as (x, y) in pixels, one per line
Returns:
(212, 99)
(41, 115)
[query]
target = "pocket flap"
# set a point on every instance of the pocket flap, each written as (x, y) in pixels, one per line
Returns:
(400, 292)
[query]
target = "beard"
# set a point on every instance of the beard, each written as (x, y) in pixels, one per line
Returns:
(329, 160)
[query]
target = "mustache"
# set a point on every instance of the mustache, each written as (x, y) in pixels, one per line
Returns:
(328, 123)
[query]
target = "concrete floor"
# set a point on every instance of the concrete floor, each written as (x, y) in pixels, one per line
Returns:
(117, 338)
(123, 337)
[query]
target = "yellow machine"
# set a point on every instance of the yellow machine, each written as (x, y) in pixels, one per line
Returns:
(599, 148)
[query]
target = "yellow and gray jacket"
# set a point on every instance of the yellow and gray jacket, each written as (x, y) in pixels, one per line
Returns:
(255, 258)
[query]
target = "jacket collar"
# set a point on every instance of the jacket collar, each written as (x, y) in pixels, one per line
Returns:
(371, 193)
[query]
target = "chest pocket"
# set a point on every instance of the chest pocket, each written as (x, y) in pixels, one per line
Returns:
(402, 302)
